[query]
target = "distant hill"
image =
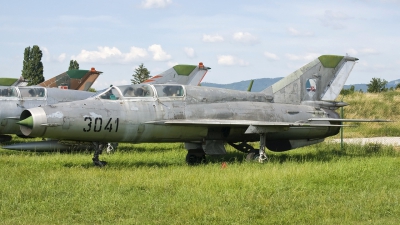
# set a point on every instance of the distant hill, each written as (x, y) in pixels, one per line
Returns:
(262, 83)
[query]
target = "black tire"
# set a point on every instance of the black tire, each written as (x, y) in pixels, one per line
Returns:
(252, 156)
(193, 159)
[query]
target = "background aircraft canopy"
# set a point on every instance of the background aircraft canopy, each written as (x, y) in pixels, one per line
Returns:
(32, 92)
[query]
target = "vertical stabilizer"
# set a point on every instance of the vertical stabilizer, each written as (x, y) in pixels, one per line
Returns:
(80, 80)
(321, 79)
(181, 74)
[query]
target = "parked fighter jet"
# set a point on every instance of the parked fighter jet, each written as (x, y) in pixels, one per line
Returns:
(15, 96)
(71, 79)
(296, 111)
(80, 80)
(14, 100)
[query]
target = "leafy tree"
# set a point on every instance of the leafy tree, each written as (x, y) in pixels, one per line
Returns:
(32, 69)
(141, 74)
(397, 86)
(347, 91)
(73, 65)
(92, 90)
(377, 85)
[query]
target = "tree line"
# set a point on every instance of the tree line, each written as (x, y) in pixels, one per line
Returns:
(376, 85)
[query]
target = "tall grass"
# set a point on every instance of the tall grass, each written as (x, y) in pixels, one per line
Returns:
(372, 106)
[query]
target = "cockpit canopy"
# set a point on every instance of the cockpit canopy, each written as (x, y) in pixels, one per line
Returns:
(32, 92)
(23, 92)
(8, 92)
(141, 91)
(169, 90)
(127, 91)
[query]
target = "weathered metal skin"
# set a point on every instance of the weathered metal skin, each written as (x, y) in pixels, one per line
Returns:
(88, 119)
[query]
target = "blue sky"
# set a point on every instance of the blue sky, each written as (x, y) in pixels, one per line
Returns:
(239, 40)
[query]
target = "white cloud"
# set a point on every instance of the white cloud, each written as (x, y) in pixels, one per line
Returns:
(149, 4)
(229, 60)
(158, 53)
(102, 54)
(212, 38)
(271, 56)
(190, 52)
(334, 19)
(61, 57)
(245, 37)
(111, 54)
(306, 57)
(135, 53)
(295, 32)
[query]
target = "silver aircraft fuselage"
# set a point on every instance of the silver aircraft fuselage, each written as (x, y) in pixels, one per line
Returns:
(198, 113)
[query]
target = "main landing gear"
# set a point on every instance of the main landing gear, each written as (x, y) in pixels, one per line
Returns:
(252, 153)
(195, 156)
(98, 149)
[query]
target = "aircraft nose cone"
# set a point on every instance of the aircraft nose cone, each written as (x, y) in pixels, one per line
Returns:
(28, 122)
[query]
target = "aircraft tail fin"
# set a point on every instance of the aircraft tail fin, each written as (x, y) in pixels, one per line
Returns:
(319, 80)
(181, 74)
(73, 79)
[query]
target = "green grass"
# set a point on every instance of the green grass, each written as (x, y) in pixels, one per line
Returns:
(151, 184)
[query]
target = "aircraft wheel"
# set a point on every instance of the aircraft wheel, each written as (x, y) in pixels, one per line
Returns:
(252, 156)
(194, 159)
(5, 138)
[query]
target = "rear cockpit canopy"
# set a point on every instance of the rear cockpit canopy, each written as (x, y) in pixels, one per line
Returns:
(169, 90)
(32, 92)
(127, 92)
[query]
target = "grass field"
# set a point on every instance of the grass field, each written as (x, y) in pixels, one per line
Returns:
(153, 185)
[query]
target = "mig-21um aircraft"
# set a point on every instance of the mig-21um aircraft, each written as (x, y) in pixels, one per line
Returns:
(297, 111)
(13, 99)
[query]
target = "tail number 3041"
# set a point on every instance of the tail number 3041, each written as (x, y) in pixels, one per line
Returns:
(97, 124)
